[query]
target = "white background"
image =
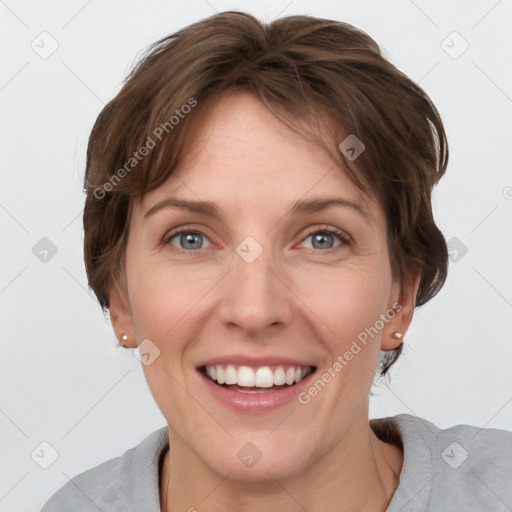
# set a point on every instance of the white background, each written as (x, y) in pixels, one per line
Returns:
(63, 380)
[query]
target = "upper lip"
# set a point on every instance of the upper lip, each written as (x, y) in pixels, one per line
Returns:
(245, 360)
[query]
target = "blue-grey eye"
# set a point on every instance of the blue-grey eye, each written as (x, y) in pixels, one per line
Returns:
(187, 240)
(324, 239)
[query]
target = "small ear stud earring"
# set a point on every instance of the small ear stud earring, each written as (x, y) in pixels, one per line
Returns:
(397, 335)
(124, 337)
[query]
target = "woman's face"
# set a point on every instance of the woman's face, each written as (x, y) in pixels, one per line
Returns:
(270, 280)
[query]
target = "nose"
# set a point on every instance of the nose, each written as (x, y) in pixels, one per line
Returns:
(255, 297)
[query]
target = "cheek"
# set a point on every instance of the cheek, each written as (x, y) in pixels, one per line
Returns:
(347, 299)
(161, 295)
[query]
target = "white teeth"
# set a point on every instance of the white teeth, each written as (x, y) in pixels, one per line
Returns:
(220, 375)
(231, 375)
(279, 376)
(245, 377)
(263, 377)
(290, 376)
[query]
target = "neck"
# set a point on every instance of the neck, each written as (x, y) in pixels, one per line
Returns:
(359, 473)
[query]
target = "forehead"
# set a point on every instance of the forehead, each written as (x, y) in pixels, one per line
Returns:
(238, 153)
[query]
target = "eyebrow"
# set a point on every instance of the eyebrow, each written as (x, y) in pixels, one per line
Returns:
(301, 206)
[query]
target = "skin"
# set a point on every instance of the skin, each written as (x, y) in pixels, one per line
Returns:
(300, 299)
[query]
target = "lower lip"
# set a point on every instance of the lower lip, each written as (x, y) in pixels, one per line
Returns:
(255, 402)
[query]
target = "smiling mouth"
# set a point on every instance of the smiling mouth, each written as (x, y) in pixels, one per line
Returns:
(245, 379)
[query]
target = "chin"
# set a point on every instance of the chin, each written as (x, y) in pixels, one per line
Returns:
(256, 461)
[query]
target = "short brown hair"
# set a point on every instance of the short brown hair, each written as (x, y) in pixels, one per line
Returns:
(297, 65)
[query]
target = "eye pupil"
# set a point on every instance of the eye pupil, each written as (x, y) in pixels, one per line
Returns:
(321, 238)
(191, 238)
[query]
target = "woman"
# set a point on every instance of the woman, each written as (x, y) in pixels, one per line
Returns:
(258, 223)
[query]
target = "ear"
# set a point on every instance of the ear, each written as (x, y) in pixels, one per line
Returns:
(404, 309)
(120, 314)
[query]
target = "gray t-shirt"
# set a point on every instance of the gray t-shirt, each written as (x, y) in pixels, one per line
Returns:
(462, 468)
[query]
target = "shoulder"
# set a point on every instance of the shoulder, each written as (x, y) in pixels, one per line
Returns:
(88, 490)
(112, 485)
(460, 467)
(466, 447)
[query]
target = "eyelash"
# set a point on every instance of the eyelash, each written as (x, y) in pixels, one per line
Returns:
(345, 239)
